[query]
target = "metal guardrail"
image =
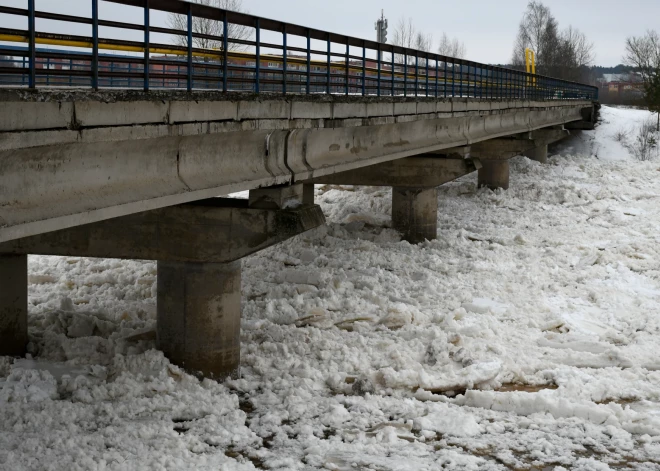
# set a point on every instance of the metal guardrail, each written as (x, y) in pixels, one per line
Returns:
(375, 70)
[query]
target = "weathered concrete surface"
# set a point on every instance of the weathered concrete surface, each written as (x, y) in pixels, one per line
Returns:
(415, 213)
(13, 304)
(71, 158)
(412, 172)
(540, 154)
(199, 316)
(276, 197)
(494, 174)
(217, 230)
(518, 144)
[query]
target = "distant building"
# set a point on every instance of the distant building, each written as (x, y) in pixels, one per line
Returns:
(628, 85)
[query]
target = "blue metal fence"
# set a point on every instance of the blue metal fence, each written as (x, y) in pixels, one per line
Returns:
(240, 65)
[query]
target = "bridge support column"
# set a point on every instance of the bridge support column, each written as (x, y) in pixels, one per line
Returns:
(415, 213)
(540, 154)
(199, 316)
(308, 193)
(494, 174)
(13, 305)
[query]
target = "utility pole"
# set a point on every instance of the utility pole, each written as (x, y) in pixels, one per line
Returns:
(381, 30)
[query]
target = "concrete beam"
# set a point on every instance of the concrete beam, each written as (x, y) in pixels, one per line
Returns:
(218, 230)
(199, 316)
(415, 213)
(589, 118)
(414, 172)
(501, 149)
(460, 152)
(494, 174)
(580, 126)
(518, 144)
(13, 305)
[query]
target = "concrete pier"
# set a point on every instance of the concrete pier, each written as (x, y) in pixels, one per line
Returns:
(494, 174)
(199, 316)
(415, 213)
(540, 154)
(13, 305)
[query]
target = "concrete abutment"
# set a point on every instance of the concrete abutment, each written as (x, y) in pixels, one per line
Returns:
(13, 305)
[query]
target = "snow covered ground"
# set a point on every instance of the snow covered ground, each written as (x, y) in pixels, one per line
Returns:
(526, 337)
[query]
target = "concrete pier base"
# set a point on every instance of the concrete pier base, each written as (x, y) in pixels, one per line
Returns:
(199, 316)
(13, 305)
(415, 213)
(494, 174)
(540, 154)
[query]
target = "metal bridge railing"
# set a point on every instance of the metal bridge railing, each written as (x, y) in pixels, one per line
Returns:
(338, 64)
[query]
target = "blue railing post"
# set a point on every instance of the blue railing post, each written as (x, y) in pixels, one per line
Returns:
(445, 80)
(95, 44)
(309, 61)
(405, 73)
(32, 76)
(436, 76)
(146, 46)
(427, 75)
(284, 60)
(189, 84)
(392, 90)
(328, 91)
(364, 69)
(460, 79)
(257, 63)
(225, 54)
(379, 54)
(453, 79)
(416, 73)
(348, 50)
(491, 82)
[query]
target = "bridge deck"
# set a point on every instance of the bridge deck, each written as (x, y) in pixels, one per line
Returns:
(73, 157)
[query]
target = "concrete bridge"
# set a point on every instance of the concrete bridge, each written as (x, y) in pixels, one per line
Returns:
(137, 174)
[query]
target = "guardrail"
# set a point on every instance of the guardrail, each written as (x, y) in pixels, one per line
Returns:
(341, 65)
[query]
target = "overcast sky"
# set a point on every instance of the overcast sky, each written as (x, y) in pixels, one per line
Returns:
(487, 27)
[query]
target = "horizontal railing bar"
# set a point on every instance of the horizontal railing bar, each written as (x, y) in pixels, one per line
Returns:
(425, 74)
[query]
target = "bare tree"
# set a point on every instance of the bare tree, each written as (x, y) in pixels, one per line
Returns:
(405, 35)
(643, 53)
(538, 31)
(451, 47)
(579, 51)
(565, 54)
(423, 42)
(210, 27)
